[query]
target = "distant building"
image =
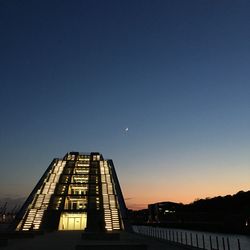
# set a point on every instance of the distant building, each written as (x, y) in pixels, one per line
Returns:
(79, 192)
(163, 212)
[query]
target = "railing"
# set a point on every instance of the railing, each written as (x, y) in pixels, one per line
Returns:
(190, 239)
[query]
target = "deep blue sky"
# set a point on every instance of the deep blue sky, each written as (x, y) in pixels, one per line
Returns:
(75, 74)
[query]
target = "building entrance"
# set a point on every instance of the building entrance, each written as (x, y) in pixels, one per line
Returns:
(73, 221)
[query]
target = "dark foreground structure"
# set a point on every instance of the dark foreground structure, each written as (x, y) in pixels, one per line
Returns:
(79, 192)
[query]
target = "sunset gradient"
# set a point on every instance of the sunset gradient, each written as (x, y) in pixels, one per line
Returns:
(75, 74)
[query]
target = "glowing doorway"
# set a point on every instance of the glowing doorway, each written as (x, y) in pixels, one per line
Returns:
(73, 221)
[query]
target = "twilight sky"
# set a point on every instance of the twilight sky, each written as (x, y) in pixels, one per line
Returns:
(75, 74)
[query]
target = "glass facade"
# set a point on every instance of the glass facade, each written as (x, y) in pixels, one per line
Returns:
(77, 192)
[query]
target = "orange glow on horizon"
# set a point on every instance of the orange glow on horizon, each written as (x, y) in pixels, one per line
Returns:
(143, 201)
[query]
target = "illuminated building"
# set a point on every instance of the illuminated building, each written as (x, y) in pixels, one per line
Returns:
(79, 192)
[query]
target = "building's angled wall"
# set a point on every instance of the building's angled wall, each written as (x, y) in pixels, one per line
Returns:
(38, 202)
(121, 201)
(111, 208)
(23, 211)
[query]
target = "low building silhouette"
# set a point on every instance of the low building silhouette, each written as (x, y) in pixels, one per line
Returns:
(163, 212)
